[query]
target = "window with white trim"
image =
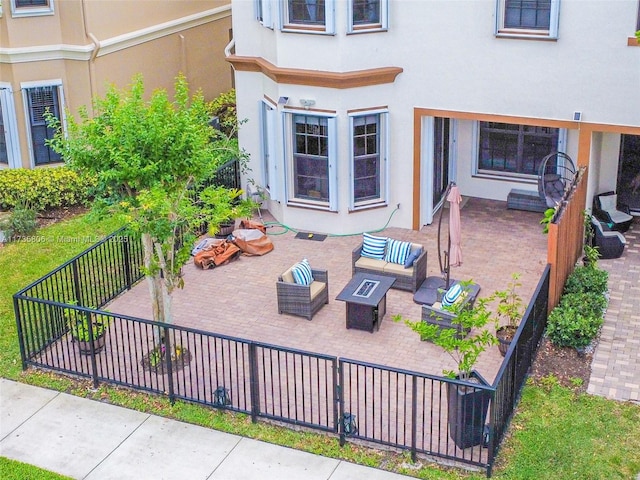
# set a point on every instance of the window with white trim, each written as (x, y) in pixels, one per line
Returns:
(510, 150)
(38, 101)
(4, 153)
(368, 159)
(638, 20)
(268, 127)
(263, 12)
(311, 179)
(535, 18)
(312, 16)
(28, 8)
(367, 15)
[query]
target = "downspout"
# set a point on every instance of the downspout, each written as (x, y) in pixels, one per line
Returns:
(94, 50)
(229, 47)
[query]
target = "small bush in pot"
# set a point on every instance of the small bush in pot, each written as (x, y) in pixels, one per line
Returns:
(509, 310)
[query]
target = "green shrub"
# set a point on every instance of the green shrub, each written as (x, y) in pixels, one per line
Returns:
(21, 222)
(587, 279)
(570, 325)
(224, 107)
(43, 188)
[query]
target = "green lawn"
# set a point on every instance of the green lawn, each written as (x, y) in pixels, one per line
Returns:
(556, 434)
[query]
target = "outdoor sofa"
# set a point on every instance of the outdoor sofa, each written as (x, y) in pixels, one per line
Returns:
(407, 277)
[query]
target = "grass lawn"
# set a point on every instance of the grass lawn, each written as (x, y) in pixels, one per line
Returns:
(556, 433)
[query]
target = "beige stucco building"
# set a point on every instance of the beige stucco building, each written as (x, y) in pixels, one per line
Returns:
(58, 54)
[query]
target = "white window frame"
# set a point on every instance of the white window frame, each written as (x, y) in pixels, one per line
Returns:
(24, 87)
(383, 122)
(32, 11)
(372, 27)
(264, 12)
(524, 178)
(269, 167)
(329, 20)
(552, 33)
(332, 132)
(10, 126)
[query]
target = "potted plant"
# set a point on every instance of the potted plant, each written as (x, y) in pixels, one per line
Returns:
(467, 404)
(509, 309)
(221, 207)
(85, 327)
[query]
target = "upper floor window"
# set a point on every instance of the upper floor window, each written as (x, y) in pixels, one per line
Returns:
(39, 101)
(368, 163)
(367, 15)
(535, 18)
(308, 15)
(514, 150)
(638, 20)
(4, 154)
(27, 8)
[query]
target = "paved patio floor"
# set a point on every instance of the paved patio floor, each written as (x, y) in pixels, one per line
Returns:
(239, 299)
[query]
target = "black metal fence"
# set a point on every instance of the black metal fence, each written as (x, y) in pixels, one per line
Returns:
(422, 413)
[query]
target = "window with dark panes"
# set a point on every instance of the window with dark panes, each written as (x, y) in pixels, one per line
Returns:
(366, 12)
(42, 100)
(366, 157)
(306, 12)
(31, 3)
(311, 157)
(528, 14)
(514, 149)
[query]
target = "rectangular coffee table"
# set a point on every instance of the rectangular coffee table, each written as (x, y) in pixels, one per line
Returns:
(366, 298)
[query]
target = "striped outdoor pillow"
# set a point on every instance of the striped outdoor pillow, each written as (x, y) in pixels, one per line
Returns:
(301, 272)
(397, 251)
(452, 295)
(373, 247)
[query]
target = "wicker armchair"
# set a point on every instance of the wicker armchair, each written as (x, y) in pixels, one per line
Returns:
(302, 300)
(609, 210)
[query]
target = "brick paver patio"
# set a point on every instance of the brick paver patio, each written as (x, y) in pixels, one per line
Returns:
(239, 299)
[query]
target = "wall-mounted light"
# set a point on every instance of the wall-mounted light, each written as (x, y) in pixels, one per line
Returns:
(283, 100)
(577, 116)
(306, 103)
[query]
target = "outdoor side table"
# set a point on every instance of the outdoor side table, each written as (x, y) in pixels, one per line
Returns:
(366, 300)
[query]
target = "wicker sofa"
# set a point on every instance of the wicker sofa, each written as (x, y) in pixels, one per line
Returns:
(408, 279)
(302, 300)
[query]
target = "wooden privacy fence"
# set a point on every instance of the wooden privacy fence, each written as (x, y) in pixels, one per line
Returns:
(566, 236)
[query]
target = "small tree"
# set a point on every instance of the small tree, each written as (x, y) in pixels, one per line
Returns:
(464, 350)
(149, 157)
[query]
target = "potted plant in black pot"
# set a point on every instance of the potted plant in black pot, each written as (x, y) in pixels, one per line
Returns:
(467, 404)
(509, 309)
(87, 327)
(221, 207)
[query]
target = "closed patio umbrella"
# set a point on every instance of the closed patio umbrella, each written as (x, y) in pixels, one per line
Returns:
(455, 228)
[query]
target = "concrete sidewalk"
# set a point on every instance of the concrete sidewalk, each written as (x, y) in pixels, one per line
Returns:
(87, 439)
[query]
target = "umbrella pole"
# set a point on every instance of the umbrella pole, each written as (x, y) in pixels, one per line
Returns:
(446, 193)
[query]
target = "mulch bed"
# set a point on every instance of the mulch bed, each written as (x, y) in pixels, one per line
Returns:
(563, 363)
(50, 217)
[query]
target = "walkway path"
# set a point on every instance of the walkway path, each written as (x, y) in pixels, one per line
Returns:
(91, 440)
(615, 370)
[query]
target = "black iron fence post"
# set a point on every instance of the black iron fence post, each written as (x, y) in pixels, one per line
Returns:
(414, 416)
(23, 351)
(340, 400)
(168, 355)
(492, 428)
(76, 284)
(126, 254)
(336, 395)
(254, 385)
(92, 348)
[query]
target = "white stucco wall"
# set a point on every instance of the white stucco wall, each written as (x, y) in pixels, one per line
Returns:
(451, 60)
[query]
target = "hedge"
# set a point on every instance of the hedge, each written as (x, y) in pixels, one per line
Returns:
(43, 188)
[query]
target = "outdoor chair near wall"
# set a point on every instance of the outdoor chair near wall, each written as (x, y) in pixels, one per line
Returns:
(607, 209)
(610, 243)
(302, 300)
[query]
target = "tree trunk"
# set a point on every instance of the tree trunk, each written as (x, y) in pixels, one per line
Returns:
(154, 282)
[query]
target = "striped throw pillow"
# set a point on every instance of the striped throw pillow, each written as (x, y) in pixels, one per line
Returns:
(452, 295)
(397, 251)
(301, 272)
(373, 247)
